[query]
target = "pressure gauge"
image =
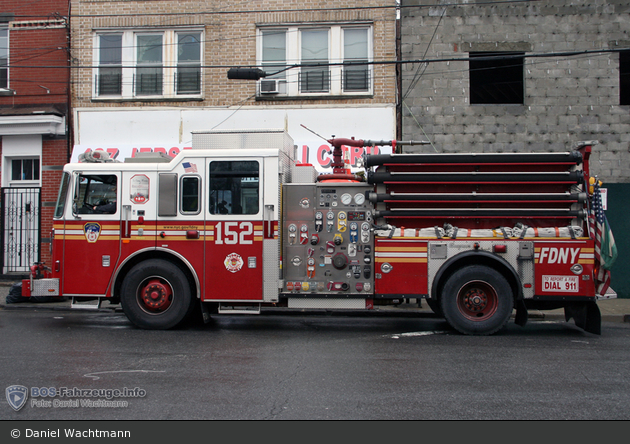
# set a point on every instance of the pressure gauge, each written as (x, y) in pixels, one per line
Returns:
(319, 215)
(359, 199)
(330, 215)
(346, 199)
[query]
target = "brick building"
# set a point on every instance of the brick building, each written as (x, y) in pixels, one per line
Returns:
(34, 84)
(148, 72)
(523, 76)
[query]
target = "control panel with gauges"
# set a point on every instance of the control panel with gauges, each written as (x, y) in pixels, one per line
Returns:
(328, 247)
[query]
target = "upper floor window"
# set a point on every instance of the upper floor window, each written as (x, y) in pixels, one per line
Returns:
(334, 60)
(109, 75)
(4, 57)
(624, 78)
(496, 78)
(148, 65)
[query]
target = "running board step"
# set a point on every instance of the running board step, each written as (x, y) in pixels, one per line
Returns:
(239, 309)
(82, 303)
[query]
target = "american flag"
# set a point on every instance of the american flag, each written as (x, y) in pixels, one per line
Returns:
(605, 248)
(190, 167)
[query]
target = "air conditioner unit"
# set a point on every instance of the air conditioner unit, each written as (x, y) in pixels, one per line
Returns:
(269, 86)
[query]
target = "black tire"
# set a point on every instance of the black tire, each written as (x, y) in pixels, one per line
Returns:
(156, 295)
(477, 300)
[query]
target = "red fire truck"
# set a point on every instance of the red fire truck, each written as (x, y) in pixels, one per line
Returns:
(236, 224)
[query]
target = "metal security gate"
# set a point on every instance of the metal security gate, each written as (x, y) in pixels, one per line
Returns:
(20, 228)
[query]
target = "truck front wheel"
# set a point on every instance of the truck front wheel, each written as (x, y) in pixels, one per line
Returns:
(477, 300)
(156, 295)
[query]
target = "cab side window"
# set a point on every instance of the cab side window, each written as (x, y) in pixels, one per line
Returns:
(96, 194)
(234, 187)
(189, 195)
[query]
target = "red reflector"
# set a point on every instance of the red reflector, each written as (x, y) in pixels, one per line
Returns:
(499, 248)
(527, 285)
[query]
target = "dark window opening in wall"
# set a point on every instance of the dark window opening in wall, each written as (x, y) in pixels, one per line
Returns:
(496, 78)
(624, 78)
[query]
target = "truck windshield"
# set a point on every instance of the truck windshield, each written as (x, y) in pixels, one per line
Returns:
(63, 194)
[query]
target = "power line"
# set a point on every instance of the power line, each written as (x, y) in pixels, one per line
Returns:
(365, 63)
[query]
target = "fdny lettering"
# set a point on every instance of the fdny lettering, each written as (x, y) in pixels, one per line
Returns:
(232, 233)
(553, 255)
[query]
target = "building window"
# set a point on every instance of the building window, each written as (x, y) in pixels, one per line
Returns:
(334, 60)
(25, 169)
(624, 78)
(356, 77)
(314, 51)
(273, 61)
(4, 57)
(188, 63)
(149, 69)
(496, 78)
(109, 78)
(148, 65)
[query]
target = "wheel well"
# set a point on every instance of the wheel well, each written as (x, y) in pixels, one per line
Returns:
(476, 258)
(154, 254)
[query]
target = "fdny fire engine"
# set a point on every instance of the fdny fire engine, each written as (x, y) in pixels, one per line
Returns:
(236, 224)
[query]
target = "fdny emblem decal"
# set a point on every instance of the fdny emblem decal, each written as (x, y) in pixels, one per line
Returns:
(16, 396)
(92, 230)
(233, 262)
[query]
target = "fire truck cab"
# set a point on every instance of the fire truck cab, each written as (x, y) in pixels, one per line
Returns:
(236, 224)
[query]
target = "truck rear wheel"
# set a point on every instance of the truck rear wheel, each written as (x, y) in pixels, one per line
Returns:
(477, 300)
(156, 295)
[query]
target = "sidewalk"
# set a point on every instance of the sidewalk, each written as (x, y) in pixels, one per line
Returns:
(612, 310)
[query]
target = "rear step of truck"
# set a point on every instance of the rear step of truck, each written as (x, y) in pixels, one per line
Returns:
(86, 304)
(239, 309)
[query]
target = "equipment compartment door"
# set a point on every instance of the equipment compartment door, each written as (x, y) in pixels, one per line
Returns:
(235, 224)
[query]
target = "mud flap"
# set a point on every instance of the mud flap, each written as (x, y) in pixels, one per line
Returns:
(207, 310)
(521, 313)
(586, 315)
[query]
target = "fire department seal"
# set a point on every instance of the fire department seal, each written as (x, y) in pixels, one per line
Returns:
(92, 230)
(233, 262)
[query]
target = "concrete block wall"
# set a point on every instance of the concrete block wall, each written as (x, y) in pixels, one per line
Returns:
(567, 98)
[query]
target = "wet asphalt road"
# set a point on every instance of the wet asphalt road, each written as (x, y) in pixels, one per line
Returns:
(315, 367)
